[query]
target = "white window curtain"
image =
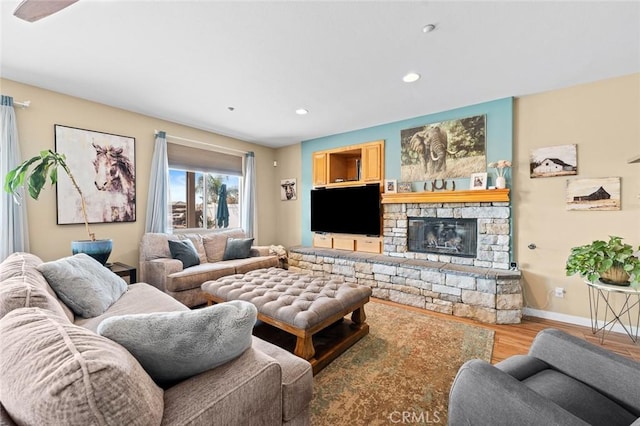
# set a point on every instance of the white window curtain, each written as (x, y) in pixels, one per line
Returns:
(158, 199)
(249, 196)
(14, 230)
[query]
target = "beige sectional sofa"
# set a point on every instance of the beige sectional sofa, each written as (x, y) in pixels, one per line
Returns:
(56, 369)
(159, 269)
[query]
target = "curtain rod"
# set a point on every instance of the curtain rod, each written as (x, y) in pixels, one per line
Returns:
(155, 132)
(23, 105)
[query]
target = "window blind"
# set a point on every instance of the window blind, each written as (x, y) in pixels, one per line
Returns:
(194, 159)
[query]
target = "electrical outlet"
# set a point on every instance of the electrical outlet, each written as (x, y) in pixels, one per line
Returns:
(559, 291)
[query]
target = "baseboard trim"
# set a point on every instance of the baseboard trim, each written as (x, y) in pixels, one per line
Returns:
(570, 319)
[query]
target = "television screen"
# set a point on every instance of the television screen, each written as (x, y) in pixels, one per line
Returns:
(346, 210)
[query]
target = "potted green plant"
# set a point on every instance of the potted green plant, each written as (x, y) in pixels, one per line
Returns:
(45, 166)
(613, 262)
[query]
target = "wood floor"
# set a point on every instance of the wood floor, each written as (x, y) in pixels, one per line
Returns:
(515, 339)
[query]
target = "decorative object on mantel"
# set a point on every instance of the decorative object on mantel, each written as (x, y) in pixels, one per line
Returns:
(390, 186)
(613, 262)
(443, 150)
(439, 187)
(404, 187)
(478, 181)
(593, 194)
(501, 167)
(46, 166)
(560, 160)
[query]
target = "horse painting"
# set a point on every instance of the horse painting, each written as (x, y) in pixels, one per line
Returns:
(115, 176)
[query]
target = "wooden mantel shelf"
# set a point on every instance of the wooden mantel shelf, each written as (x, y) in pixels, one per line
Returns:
(471, 196)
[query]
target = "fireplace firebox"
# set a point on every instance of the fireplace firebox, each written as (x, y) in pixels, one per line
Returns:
(456, 237)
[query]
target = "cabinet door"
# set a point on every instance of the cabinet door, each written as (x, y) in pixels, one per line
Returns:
(372, 163)
(319, 168)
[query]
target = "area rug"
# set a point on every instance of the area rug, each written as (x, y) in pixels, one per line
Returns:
(400, 373)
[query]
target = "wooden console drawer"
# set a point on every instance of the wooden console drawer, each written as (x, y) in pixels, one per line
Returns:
(344, 243)
(368, 245)
(323, 241)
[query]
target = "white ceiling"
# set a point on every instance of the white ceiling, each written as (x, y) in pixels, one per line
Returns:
(188, 61)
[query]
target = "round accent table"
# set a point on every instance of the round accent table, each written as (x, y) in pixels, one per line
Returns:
(599, 296)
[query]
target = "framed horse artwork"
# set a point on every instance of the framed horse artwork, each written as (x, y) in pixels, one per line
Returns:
(103, 165)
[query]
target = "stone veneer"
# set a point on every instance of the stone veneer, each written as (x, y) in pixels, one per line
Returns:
(490, 295)
(493, 231)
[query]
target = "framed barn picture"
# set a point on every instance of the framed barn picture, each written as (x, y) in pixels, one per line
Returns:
(560, 160)
(103, 166)
(593, 194)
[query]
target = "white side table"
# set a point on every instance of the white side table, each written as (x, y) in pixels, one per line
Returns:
(599, 294)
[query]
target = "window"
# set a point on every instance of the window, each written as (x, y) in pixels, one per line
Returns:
(195, 197)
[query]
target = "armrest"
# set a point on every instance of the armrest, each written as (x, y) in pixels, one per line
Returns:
(235, 393)
(155, 271)
(257, 251)
(481, 394)
(611, 374)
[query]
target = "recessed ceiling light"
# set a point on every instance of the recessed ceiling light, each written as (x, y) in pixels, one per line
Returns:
(411, 77)
(302, 111)
(428, 28)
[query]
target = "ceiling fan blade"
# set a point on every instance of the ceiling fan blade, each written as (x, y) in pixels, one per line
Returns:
(33, 10)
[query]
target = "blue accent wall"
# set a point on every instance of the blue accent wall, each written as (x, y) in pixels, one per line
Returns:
(499, 140)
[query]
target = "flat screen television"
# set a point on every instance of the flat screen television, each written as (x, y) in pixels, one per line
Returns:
(346, 210)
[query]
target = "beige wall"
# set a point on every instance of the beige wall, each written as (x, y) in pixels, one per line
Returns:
(603, 119)
(35, 130)
(288, 213)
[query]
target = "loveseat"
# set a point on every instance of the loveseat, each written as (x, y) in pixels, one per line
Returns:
(563, 380)
(159, 268)
(56, 368)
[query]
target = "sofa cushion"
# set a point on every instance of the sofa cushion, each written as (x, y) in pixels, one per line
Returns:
(196, 275)
(83, 284)
(196, 239)
(215, 243)
(578, 398)
(15, 294)
(242, 266)
(185, 252)
(140, 298)
(154, 246)
(56, 373)
(175, 345)
(23, 266)
(237, 248)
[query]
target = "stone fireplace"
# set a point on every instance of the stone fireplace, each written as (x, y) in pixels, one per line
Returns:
(493, 232)
(457, 237)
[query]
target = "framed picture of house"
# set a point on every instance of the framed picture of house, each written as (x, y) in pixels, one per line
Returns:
(103, 166)
(478, 181)
(593, 194)
(559, 160)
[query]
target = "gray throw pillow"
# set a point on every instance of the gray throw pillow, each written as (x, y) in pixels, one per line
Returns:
(83, 284)
(185, 252)
(175, 345)
(237, 248)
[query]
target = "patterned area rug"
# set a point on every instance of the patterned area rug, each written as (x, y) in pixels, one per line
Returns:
(400, 373)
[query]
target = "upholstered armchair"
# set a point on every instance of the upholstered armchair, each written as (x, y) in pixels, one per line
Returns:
(562, 381)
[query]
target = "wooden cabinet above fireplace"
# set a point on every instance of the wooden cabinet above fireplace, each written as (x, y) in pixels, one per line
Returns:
(349, 165)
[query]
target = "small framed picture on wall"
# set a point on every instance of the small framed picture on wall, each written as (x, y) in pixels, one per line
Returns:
(478, 181)
(390, 186)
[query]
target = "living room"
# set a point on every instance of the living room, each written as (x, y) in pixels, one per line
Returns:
(599, 116)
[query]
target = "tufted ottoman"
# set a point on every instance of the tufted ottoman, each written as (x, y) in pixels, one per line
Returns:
(298, 303)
